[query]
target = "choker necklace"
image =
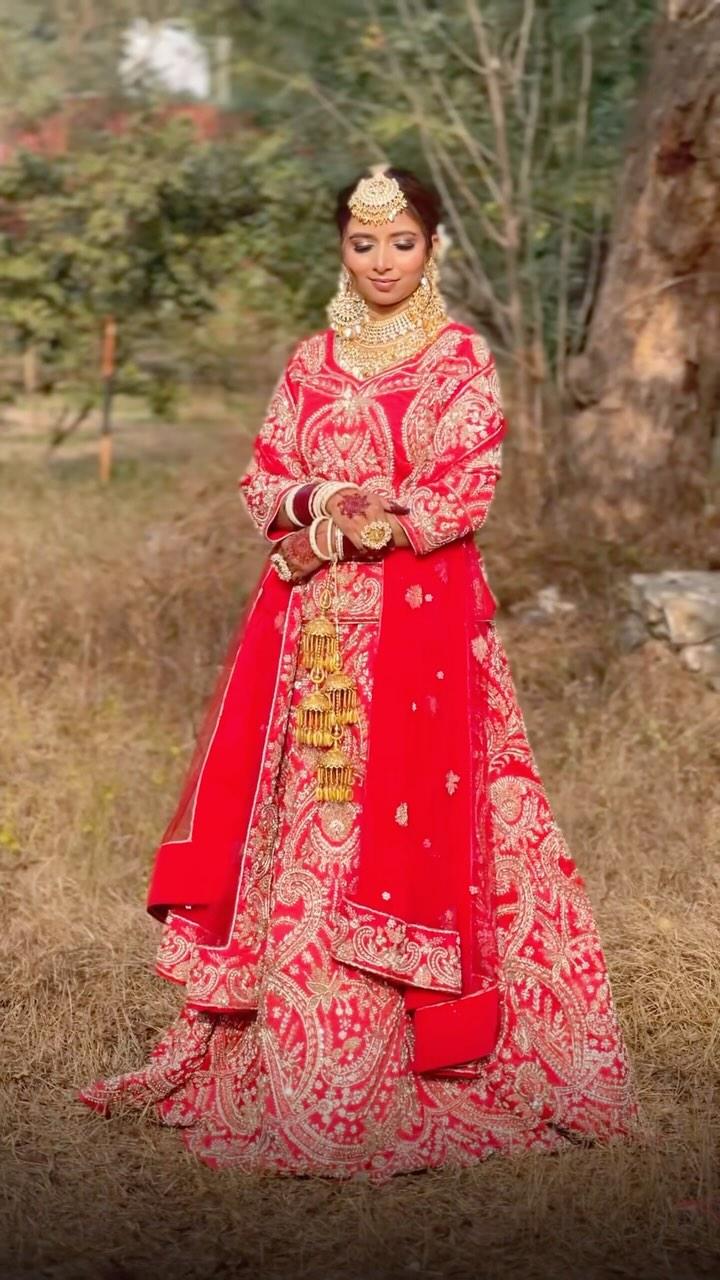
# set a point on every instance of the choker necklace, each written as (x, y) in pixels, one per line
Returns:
(375, 345)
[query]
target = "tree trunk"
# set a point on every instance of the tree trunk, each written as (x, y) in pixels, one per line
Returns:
(647, 386)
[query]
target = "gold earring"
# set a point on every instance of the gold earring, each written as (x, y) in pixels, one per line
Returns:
(347, 311)
(429, 298)
(431, 275)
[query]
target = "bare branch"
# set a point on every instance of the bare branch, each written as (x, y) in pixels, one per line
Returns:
(532, 116)
(566, 238)
(61, 429)
(305, 84)
(480, 156)
(591, 279)
(519, 61)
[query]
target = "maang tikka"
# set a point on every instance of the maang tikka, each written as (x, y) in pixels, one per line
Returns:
(377, 199)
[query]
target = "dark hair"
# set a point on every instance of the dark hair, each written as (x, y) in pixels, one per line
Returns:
(423, 201)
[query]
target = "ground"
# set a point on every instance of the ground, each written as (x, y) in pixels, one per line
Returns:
(116, 605)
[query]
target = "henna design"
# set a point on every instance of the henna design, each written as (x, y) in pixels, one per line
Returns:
(301, 556)
(353, 504)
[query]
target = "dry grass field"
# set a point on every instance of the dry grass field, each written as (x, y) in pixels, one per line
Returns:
(115, 609)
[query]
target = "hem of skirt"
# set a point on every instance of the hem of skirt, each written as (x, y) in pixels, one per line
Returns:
(85, 1096)
(541, 1138)
(170, 977)
(249, 1006)
(545, 1136)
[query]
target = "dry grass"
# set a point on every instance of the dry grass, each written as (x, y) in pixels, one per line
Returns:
(115, 609)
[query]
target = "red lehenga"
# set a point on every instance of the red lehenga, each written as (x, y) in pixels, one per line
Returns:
(413, 978)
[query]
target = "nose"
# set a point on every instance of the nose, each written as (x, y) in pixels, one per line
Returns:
(380, 266)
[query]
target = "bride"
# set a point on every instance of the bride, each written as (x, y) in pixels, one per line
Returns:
(389, 960)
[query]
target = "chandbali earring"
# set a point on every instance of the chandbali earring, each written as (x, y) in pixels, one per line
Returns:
(347, 311)
(430, 278)
(434, 310)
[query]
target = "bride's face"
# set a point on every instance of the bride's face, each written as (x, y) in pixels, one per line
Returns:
(387, 261)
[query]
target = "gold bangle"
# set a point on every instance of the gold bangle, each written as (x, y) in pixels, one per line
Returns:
(376, 534)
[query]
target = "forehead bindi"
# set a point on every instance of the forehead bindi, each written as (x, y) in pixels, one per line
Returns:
(403, 225)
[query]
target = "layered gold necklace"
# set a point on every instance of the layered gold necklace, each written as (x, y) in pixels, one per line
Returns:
(368, 346)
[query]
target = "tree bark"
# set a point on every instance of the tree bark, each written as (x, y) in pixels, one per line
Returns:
(647, 385)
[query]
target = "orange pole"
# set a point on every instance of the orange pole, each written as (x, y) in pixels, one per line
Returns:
(107, 373)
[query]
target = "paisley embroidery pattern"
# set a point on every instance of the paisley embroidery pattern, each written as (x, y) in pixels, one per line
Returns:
(375, 941)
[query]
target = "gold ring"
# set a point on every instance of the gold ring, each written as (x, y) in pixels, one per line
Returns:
(376, 534)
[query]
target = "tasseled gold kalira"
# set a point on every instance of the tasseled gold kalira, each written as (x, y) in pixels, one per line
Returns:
(322, 715)
(314, 720)
(320, 647)
(335, 776)
(342, 693)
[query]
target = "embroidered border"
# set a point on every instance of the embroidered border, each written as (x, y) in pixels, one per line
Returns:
(408, 953)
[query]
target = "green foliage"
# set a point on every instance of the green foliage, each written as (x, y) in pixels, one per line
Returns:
(138, 227)
(151, 224)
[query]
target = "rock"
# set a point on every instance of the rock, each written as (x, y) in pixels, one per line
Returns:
(682, 608)
(545, 605)
(632, 632)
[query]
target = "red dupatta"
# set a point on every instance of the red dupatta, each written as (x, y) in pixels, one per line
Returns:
(421, 911)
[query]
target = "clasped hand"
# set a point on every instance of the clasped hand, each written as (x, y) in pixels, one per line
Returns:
(351, 509)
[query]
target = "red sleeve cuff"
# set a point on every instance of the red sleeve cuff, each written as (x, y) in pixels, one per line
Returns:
(412, 533)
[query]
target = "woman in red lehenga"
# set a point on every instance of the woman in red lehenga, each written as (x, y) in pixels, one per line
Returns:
(389, 959)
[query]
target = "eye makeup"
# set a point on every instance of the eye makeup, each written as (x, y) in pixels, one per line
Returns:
(365, 248)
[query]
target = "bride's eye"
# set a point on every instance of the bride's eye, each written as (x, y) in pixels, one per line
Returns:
(362, 248)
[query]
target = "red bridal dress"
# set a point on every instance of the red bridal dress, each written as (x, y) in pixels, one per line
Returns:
(412, 978)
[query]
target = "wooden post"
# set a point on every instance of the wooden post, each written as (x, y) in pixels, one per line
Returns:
(107, 373)
(30, 381)
(30, 369)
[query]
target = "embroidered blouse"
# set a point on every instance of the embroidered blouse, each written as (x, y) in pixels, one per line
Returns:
(424, 432)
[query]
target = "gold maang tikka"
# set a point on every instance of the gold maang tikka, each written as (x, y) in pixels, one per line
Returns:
(377, 199)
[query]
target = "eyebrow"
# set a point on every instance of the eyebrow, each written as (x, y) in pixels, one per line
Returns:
(367, 235)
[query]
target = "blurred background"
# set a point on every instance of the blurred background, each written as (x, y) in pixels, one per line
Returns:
(167, 182)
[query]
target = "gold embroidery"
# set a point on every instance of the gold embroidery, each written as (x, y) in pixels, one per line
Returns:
(406, 952)
(319, 1081)
(478, 644)
(414, 596)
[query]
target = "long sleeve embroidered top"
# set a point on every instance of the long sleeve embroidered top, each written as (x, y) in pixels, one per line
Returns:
(425, 433)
